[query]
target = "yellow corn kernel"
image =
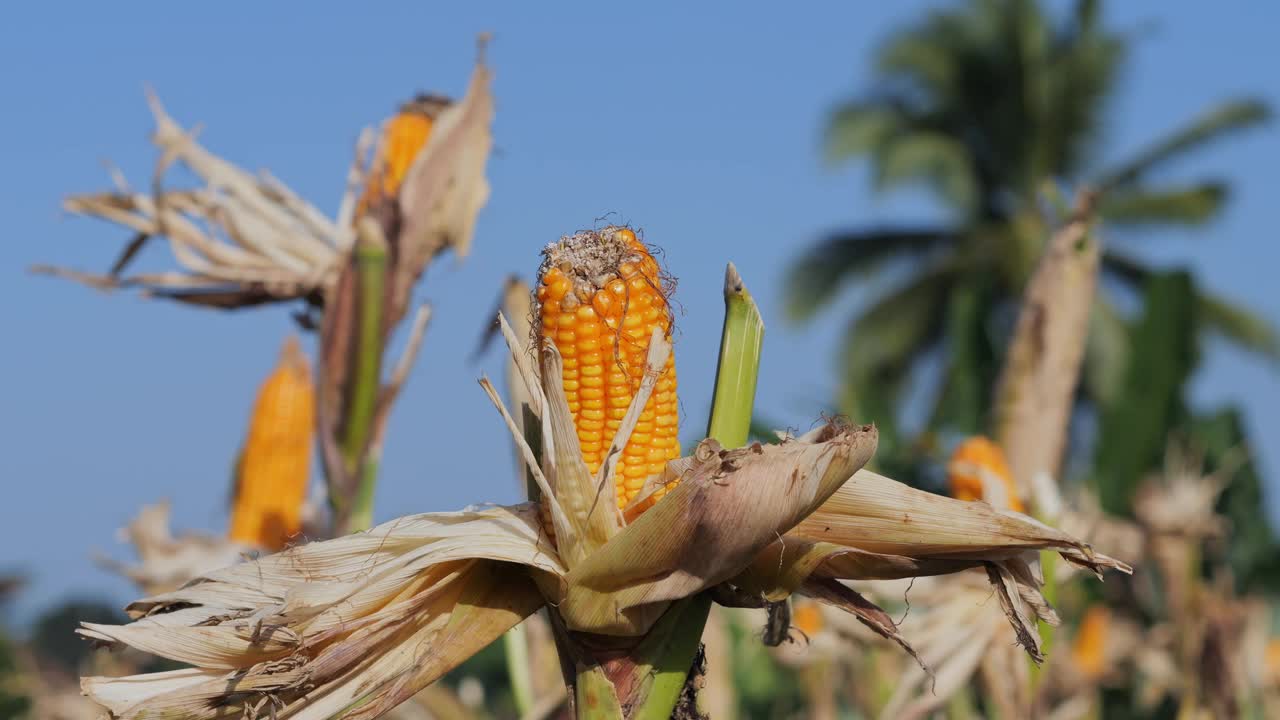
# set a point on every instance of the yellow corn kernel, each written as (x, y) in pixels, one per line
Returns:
(976, 462)
(275, 461)
(404, 135)
(600, 295)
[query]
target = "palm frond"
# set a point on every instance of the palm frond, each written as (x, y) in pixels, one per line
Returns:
(1191, 205)
(818, 275)
(1239, 325)
(882, 341)
(858, 128)
(937, 158)
(1224, 119)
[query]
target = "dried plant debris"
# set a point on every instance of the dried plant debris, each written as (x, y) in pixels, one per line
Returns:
(242, 239)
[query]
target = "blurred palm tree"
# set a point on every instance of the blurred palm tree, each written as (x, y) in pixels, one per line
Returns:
(988, 106)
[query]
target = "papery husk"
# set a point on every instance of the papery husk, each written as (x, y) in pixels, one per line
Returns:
(879, 515)
(240, 239)
(728, 506)
(445, 187)
(168, 562)
(371, 618)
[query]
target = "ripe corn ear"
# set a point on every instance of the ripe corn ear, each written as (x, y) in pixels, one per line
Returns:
(976, 463)
(600, 295)
(404, 135)
(1089, 648)
(275, 461)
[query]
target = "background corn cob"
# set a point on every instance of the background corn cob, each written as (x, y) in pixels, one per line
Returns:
(403, 136)
(600, 295)
(1089, 647)
(275, 461)
(974, 464)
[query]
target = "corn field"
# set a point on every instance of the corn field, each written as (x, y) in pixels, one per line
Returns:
(1058, 534)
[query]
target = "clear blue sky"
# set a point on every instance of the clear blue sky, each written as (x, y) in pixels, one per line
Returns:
(700, 125)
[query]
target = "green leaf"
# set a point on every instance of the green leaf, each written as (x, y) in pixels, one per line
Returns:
(1242, 327)
(933, 157)
(1253, 552)
(1227, 118)
(972, 360)
(740, 343)
(1134, 428)
(1185, 206)
(883, 341)
(857, 128)
(818, 275)
(1107, 352)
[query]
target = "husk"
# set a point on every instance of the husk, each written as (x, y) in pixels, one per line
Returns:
(167, 562)
(372, 617)
(445, 188)
(878, 515)
(728, 506)
(240, 239)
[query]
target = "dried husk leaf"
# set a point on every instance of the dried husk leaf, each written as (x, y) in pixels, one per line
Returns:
(876, 514)
(241, 240)
(593, 522)
(729, 505)
(444, 189)
(167, 562)
(371, 617)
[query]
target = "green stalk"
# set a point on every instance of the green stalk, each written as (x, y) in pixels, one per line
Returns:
(366, 377)
(673, 643)
(1049, 568)
(515, 645)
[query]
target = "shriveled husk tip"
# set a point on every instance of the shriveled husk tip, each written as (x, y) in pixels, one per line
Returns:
(728, 506)
(306, 633)
(879, 515)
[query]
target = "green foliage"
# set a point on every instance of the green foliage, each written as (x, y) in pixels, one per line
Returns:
(986, 104)
(822, 271)
(1192, 205)
(1135, 428)
(1254, 552)
(973, 360)
(53, 636)
(766, 688)
(13, 702)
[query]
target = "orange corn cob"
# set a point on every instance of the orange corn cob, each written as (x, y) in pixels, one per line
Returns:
(806, 616)
(1088, 650)
(403, 137)
(976, 462)
(600, 295)
(275, 462)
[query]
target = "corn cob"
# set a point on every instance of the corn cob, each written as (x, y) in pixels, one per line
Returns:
(1088, 650)
(974, 464)
(275, 461)
(404, 135)
(600, 295)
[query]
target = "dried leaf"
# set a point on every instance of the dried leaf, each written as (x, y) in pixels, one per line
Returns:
(444, 189)
(370, 618)
(873, 513)
(729, 506)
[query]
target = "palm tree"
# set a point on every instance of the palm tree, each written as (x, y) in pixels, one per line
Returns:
(988, 106)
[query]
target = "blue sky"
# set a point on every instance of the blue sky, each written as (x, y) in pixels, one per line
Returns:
(701, 126)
